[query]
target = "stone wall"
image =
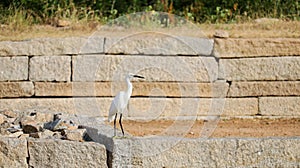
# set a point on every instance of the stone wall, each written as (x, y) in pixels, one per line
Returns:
(166, 151)
(79, 75)
(186, 77)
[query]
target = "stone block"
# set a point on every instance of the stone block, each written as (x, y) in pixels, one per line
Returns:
(249, 69)
(173, 152)
(73, 89)
(279, 106)
(13, 152)
(177, 89)
(80, 106)
(47, 104)
(50, 68)
(16, 89)
(59, 153)
(52, 46)
(160, 89)
(151, 43)
(280, 152)
(269, 88)
(257, 47)
(269, 152)
(153, 68)
(13, 68)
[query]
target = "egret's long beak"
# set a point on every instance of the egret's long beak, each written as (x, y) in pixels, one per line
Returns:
(138, 76)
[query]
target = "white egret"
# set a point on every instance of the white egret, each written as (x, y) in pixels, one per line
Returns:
(120, 102)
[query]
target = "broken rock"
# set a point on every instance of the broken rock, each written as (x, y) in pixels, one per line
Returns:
(10, 114)
(75, 135)
(2, 118)
(32, 127)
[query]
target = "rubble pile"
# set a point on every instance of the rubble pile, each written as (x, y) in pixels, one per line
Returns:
(41, 125)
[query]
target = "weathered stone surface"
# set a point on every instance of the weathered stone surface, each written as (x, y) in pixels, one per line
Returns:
(9, 113)
(53, 46)
(13, 152)
(75, 135)
(65, 105)
(172, 89)
(32, 127)
(66, 154)
(2, 118)
(256, 47)
(53, 89)
(269, 152)
(153, 68)
(16, 89)
(83, 106)
(50, 68)
(154, 152)
(150, 108)
(279, 106)
(270, 88)
(173, 152)
(59, 124)
(168, 89)
(158, 44)
(16, 134)
(162, 151)
(158, 108)
(73, 89)
(13, 68)
(272, 68)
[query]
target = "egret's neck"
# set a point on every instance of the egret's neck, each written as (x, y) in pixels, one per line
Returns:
(129, 87)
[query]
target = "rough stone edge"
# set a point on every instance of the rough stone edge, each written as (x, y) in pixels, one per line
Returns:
(103, 134)
(256, 47)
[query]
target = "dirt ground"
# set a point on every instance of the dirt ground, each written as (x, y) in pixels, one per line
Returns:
(225, 128)
(265, 29)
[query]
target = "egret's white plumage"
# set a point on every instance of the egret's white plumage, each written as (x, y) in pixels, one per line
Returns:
(118, 105)
(120, 102)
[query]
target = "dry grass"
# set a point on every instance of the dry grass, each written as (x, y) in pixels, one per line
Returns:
(272, 29)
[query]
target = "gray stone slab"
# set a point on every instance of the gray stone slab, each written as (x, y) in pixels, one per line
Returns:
(250, 69)
(13, 68)
(61, 153)
(50, 68)
(13, 152)
(153, 68)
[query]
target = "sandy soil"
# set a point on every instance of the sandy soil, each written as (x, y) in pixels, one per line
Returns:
(225, 128)
(266, 29)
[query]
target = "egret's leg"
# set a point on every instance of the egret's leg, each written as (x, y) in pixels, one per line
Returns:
(120, 121)
(115, 124)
